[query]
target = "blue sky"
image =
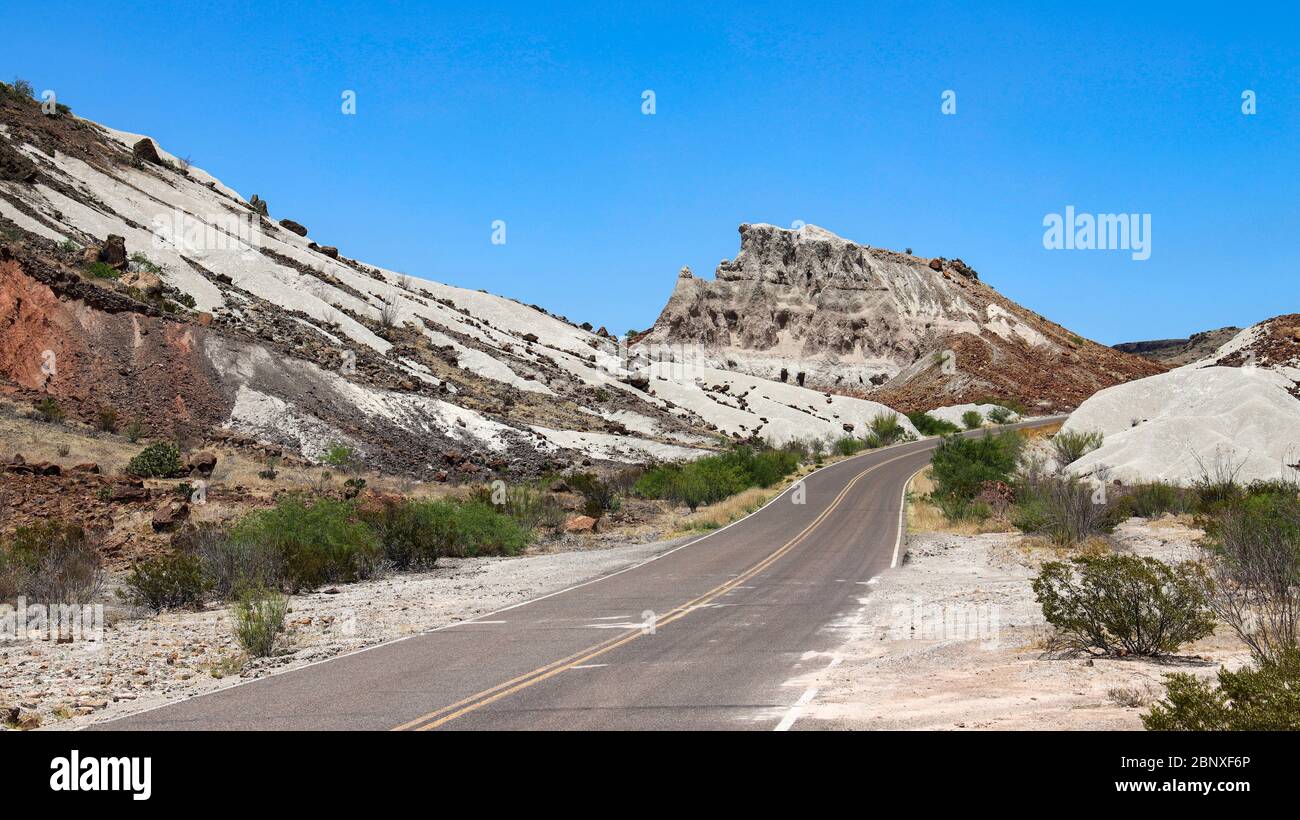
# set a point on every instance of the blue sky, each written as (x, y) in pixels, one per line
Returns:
(765, 112)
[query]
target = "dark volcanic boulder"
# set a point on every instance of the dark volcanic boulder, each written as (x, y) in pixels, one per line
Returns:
(113, 252)
(14, 166)
(202, 463)
(147, 151)
(293, 227)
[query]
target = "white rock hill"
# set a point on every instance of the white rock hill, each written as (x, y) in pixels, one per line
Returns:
(1235, 410)
(481, 372)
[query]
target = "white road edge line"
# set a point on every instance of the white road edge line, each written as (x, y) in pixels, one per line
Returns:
(902, 517)
(392, 641)
(793, 714)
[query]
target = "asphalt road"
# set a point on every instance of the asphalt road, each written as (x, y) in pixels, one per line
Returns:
(706, 636)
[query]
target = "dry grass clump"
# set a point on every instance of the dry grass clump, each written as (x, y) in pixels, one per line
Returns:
(925, 516)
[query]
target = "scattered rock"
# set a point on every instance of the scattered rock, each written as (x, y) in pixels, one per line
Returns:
(144, 281)
(580, 523)
(147, 151)
(170, 515)
(112, 252)
(202, 463)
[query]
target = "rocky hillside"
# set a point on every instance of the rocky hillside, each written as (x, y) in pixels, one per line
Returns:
(1178, 352)
(807, 307)
(135, 283)
(1237, 411)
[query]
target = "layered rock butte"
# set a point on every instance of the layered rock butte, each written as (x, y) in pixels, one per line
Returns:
(809, 307)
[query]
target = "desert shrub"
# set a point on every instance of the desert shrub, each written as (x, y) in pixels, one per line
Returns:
(1000, 415)
(167, 581)
(766, 467)
(353, 487)
(1125, 605)
(972, 419)
(1069, 446)
(49, 410)
(1064, 508)
(314, 544)
(847, 446)
(655, 481)
(533, 508)
(259, 620)
(713, 478)
(133, 431)
(598, 497)
(1014, 405)
(1029, 515)
(340, 456)
(1155, 498)
(703, 485)
(102, 270)
(21, 89)
(480, 530)
(159, 460)
(54, 562)
(1263, 699)
(230, 564)
(961, 466)
(887, 428)
(106, 419)
(1254, 550)
(414, 534)
(957, 509)
(928, 425)
(140, 262)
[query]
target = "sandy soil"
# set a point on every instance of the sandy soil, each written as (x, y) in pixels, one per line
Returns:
(145, 662)
(954, 640)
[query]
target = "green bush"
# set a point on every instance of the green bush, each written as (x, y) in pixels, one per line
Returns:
(532, 507)
(340, 456)
(1155, 498)
(887, 428)
(313, 544)
(49, 410)
(928, 425)
(1070, 446)
(961, 466)
(972, 419)
(158, 460)
(1263, 699)
(53, 562)
(1125, 605)
(1255, 554)
(598, 497)
(479, 529)
(1000, 415)
(106, 419)
(168, 581)
(414, 534)
(848, 446)
(1064, 508)
(102, 270)
(713, 478)
(1014, 405)
(259, 620)
(1030, 515)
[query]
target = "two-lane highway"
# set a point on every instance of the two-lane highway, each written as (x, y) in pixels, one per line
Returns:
(701, 637)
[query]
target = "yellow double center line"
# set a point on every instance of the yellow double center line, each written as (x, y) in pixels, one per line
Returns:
(477, 701)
